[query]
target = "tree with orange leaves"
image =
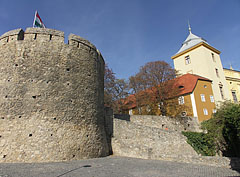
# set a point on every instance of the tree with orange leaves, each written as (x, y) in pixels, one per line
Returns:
(115, 90)
(153, 86)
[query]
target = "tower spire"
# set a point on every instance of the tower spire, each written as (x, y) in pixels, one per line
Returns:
(189, 27)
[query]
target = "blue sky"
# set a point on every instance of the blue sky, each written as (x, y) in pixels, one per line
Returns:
(130, 33)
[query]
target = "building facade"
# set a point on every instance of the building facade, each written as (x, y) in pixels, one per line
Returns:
(195, 97)
(233, 80)
(196, 56)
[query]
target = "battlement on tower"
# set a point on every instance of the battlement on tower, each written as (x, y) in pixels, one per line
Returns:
(45, 34)
(13, 35)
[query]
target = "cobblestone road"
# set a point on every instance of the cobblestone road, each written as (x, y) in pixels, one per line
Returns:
(112, 167)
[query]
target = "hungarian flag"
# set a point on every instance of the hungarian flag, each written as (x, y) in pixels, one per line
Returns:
(38, 21)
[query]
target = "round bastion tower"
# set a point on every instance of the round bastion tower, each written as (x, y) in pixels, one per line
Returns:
(51, 97)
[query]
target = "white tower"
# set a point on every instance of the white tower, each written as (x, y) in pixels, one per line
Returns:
(196, 56)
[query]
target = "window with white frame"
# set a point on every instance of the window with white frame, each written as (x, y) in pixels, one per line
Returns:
(181, 100)
(212, 98)
(214, 111)
(130, 112)
(203, 97)
(187, 60)
(205, 111)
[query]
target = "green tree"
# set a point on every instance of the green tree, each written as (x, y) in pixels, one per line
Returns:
(224, 128)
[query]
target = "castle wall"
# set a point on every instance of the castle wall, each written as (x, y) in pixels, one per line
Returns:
(51, 97)
(150, 142)
(163, 122)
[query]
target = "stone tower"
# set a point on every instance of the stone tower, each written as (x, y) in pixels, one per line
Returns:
(196, 56)
(51, 97)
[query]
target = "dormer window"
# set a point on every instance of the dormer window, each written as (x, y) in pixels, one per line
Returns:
(181, 87)
(187, 60)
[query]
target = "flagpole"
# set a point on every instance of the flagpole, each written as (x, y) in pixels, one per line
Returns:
(34, 18)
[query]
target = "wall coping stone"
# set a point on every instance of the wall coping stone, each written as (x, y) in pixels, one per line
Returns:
(12, 33)
(44, 31)
(81, 40)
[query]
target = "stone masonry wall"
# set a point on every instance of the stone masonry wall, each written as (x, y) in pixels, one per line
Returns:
(135, 140)
(157, 137)
(51, 97)
(163, 122)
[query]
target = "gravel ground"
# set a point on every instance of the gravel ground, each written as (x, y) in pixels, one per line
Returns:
(112, 167)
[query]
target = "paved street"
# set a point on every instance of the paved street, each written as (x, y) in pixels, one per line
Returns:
(112, 167)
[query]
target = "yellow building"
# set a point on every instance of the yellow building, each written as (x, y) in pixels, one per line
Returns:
(196, 56)
(194, 98)
(196, 95)
(233, 80)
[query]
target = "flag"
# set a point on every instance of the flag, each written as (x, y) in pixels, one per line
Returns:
(38, 21)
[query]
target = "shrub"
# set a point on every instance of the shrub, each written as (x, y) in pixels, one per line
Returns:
(202, 143)
(224, 129)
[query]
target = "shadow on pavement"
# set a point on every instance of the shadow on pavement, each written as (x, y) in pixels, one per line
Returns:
(84, 166)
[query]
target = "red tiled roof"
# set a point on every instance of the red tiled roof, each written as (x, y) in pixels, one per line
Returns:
(187, 82)
(130, 101)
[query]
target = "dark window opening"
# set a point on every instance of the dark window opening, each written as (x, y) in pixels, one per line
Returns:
(187, 60)
(234, 97)
(221, 91)
(213, 58)
(217, 73)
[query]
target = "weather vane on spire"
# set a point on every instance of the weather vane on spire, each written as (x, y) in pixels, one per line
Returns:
(189, 27)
